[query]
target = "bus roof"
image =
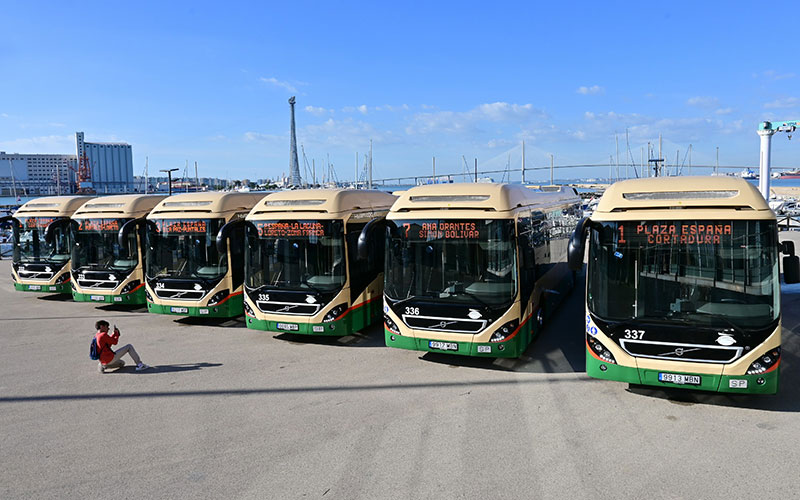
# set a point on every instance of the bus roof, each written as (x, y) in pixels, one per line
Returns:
(122, 205)
(323, 201)
(478, 196)
(63, 206)
(209, 202)
(688, 192)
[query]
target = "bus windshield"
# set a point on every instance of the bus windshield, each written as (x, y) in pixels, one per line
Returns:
(715, 273)
(295, 255)
(32, 247)
(452, 261)
(185, 249)
(97, 248)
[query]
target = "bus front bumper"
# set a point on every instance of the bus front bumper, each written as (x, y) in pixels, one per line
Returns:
(27, 287)
(763, 383)
(136, 297)
(231, 308)
(512, 348)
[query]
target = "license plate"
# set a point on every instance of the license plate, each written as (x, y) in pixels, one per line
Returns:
(98, 298)
(34, 287)
(292, 327)
(179, 309)
(444, 346)
(678, 378)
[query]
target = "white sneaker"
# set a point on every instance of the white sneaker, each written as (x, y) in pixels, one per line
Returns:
(142, 366)
(101, 368)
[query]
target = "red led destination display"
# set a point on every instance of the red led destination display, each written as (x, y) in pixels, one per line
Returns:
(444, 230)
(685, 233)
(188, 226)
(99, 225)
(38, 222)
(290, 229)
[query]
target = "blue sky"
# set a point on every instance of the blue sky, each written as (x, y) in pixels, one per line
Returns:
(209, 82)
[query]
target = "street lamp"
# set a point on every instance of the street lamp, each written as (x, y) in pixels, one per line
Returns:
(169, 175)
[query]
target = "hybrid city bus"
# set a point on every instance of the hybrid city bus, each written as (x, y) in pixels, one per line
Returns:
(42, 243)
(195, 254)
(683, 285)
(475, 269)
(108, 252)
(303, 273)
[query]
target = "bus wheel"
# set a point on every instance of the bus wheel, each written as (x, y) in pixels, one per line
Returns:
(540, 318)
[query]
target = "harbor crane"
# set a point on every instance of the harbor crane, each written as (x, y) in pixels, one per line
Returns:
(766, 130)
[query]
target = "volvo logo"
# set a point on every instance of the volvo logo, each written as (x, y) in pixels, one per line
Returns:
(443, 324)
(679, 351)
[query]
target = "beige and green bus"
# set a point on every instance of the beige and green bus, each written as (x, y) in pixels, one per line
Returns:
(42, 243)
(303, 273)
(195, 254)
(475, 269)
(108, 249)
(682, 285)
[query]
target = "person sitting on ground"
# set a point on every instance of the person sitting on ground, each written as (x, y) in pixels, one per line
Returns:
(108, 358)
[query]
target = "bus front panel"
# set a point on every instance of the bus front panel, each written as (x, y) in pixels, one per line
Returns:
(685, 303)
(38, 265)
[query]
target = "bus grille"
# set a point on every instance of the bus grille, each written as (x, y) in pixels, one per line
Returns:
(296, 308)
(438, 324)
(97, 280)
(175, 293)
(27, 274)
(700, 353)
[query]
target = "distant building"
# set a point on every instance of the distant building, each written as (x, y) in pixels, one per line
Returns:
(110, 165)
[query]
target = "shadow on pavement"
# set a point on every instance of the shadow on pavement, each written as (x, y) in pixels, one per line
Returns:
(56, 297)
(156, 369)
(371, 336)
(237, 322)
(134, 308)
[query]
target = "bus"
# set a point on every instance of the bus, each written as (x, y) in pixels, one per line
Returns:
(108, 249)
(476, 269)
(42, 243)
(195, 254)
(682, 286)
(303, 273)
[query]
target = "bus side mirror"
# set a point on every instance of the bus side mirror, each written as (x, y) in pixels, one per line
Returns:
(577, 244)
(366, 235)
(50, 232)
(125, 230)
(791, 263)
(225, 233)
(6, 220)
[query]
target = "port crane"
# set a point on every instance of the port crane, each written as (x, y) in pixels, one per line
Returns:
(766, 130)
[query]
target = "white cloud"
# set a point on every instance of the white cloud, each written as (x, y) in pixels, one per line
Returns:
(593, 90)
(47, 144)
(4, 115)
(703, 101)
(724, 111)
(317, 111)
(771, 74)
(362, 109)
(347, 133)
(258, 137)
(278, 83)
(468, 121)
(783, 103)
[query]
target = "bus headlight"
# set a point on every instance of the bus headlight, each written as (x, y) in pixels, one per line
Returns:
(600, 350)
(129, 287)
(334, 313)
(148, 296)
(218, 297)
(391, 325)
(766, 362)
(504, 331)
(61, 279)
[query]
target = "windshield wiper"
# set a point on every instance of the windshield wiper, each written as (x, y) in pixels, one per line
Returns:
(730, 323)
(304, 281)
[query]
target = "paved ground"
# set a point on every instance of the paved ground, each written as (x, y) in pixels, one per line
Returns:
(232, 413)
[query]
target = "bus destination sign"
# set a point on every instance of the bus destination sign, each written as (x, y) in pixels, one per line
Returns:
(182, 226)
(444, 230)
(289, 229)
(99, 225)
(683, 233)
(38, 222)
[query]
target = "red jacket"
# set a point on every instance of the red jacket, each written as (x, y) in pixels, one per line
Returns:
(104, 343)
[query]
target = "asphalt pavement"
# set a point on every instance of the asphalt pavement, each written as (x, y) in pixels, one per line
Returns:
(228, 412)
